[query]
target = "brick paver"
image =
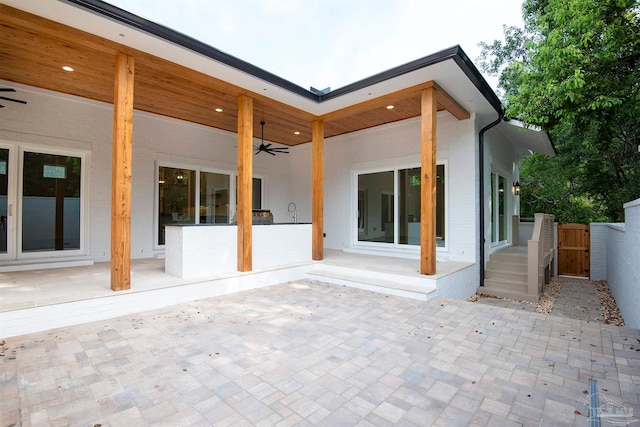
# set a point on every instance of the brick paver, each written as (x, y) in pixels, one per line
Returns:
(316, 354)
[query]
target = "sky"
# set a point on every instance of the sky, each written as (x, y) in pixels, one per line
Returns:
(332, 43)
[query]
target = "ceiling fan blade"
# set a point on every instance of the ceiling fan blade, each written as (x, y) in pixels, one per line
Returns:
(13, 100)
(7, 89)
(269, 151)
(1, 106)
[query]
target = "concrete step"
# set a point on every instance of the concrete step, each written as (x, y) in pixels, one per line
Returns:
(504, 273)
(399, 285)
(508, 258)
(488, 289)
(506, 285)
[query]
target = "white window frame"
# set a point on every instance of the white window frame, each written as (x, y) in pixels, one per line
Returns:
(395, 246)
(500, 172)
(84, 201)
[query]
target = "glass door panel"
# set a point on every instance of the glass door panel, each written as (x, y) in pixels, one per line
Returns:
(4, 198)
(492, 204)
(177, 201)
(502, 207)
(410, 202)
(409, 206)
(498, 209)
(50, 202)
(214, 198)
(375, 216)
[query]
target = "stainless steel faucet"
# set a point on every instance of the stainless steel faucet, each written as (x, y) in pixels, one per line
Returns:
(293, 212)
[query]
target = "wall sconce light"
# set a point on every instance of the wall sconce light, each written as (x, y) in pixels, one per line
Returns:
(180, 177)
(516, 188)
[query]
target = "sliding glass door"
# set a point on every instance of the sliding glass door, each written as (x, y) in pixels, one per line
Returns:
(196, 196)
(51, 185)
(41, 203)
(389, 204)
(498, 209)
(4, 200)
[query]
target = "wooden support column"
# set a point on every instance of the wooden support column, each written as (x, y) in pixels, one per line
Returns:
(245, 168)
(429, 105)
(317, 202)
(121, 173)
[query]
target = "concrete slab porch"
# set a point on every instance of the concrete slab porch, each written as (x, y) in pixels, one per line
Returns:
(37, 300)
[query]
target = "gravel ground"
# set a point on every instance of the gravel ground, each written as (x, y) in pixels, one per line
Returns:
(548, 302)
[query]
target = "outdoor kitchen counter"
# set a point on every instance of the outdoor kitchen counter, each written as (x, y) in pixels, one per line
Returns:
(194, 250)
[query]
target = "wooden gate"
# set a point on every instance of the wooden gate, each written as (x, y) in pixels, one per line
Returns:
(573, 249)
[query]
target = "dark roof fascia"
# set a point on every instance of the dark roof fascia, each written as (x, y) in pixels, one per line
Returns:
(476, 78)
(456, 53)
(165, 33)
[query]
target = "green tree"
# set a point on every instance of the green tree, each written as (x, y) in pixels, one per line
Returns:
(574, 69)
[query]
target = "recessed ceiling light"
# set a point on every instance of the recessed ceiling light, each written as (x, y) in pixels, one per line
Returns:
(390, 107)
(67, 68)
(296, 133)
(219, 110)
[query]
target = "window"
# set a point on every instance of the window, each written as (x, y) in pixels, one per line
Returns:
(42, 202)
(382, 195)
(214, 198)
(50, 202)
(498, 209)
(177, 198)
(193, 196)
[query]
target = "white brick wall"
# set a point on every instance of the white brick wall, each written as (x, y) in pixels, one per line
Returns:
(598, 251)
(614, 252)
(393, 144)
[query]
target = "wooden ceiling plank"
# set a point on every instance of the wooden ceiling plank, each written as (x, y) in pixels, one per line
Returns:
(59, 31)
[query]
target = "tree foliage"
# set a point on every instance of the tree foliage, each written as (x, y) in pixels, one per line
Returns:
(574, 69)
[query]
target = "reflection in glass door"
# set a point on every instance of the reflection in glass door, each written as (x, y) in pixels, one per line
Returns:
(177, 201)
(4, 200)
(498, 209)
(214, 198)
(380, 197)
(50, 202)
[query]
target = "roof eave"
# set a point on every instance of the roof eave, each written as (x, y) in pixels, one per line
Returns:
(454, 53)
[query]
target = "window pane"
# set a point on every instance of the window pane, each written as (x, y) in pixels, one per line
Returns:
(502, 222)
(177, 189)
(409, 206)
(214, 198)
(410, 202)
(4, 173)
(256, 193)
(375, 207)
(50, 202)
(492, 203)
(440, 202)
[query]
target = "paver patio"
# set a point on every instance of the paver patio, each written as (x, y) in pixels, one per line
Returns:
(308, 353)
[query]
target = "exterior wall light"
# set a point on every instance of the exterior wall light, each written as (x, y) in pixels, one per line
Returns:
(516, 188)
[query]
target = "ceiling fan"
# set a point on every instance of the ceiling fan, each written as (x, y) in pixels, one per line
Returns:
(8, 89)
(267, 148)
